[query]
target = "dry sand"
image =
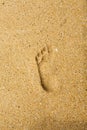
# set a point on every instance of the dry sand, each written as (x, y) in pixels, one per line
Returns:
(26, 27)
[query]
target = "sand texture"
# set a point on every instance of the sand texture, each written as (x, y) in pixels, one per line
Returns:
(43, 65)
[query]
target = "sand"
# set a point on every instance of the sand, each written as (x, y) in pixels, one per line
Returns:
(31, 97)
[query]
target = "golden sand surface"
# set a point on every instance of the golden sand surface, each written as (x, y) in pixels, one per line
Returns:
(26, 27)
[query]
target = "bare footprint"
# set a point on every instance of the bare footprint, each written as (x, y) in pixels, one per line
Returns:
(45, 62)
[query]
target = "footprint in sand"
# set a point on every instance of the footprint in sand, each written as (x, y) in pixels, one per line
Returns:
(45, 62)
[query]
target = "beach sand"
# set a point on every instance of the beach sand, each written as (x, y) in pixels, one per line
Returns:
(31, 97)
